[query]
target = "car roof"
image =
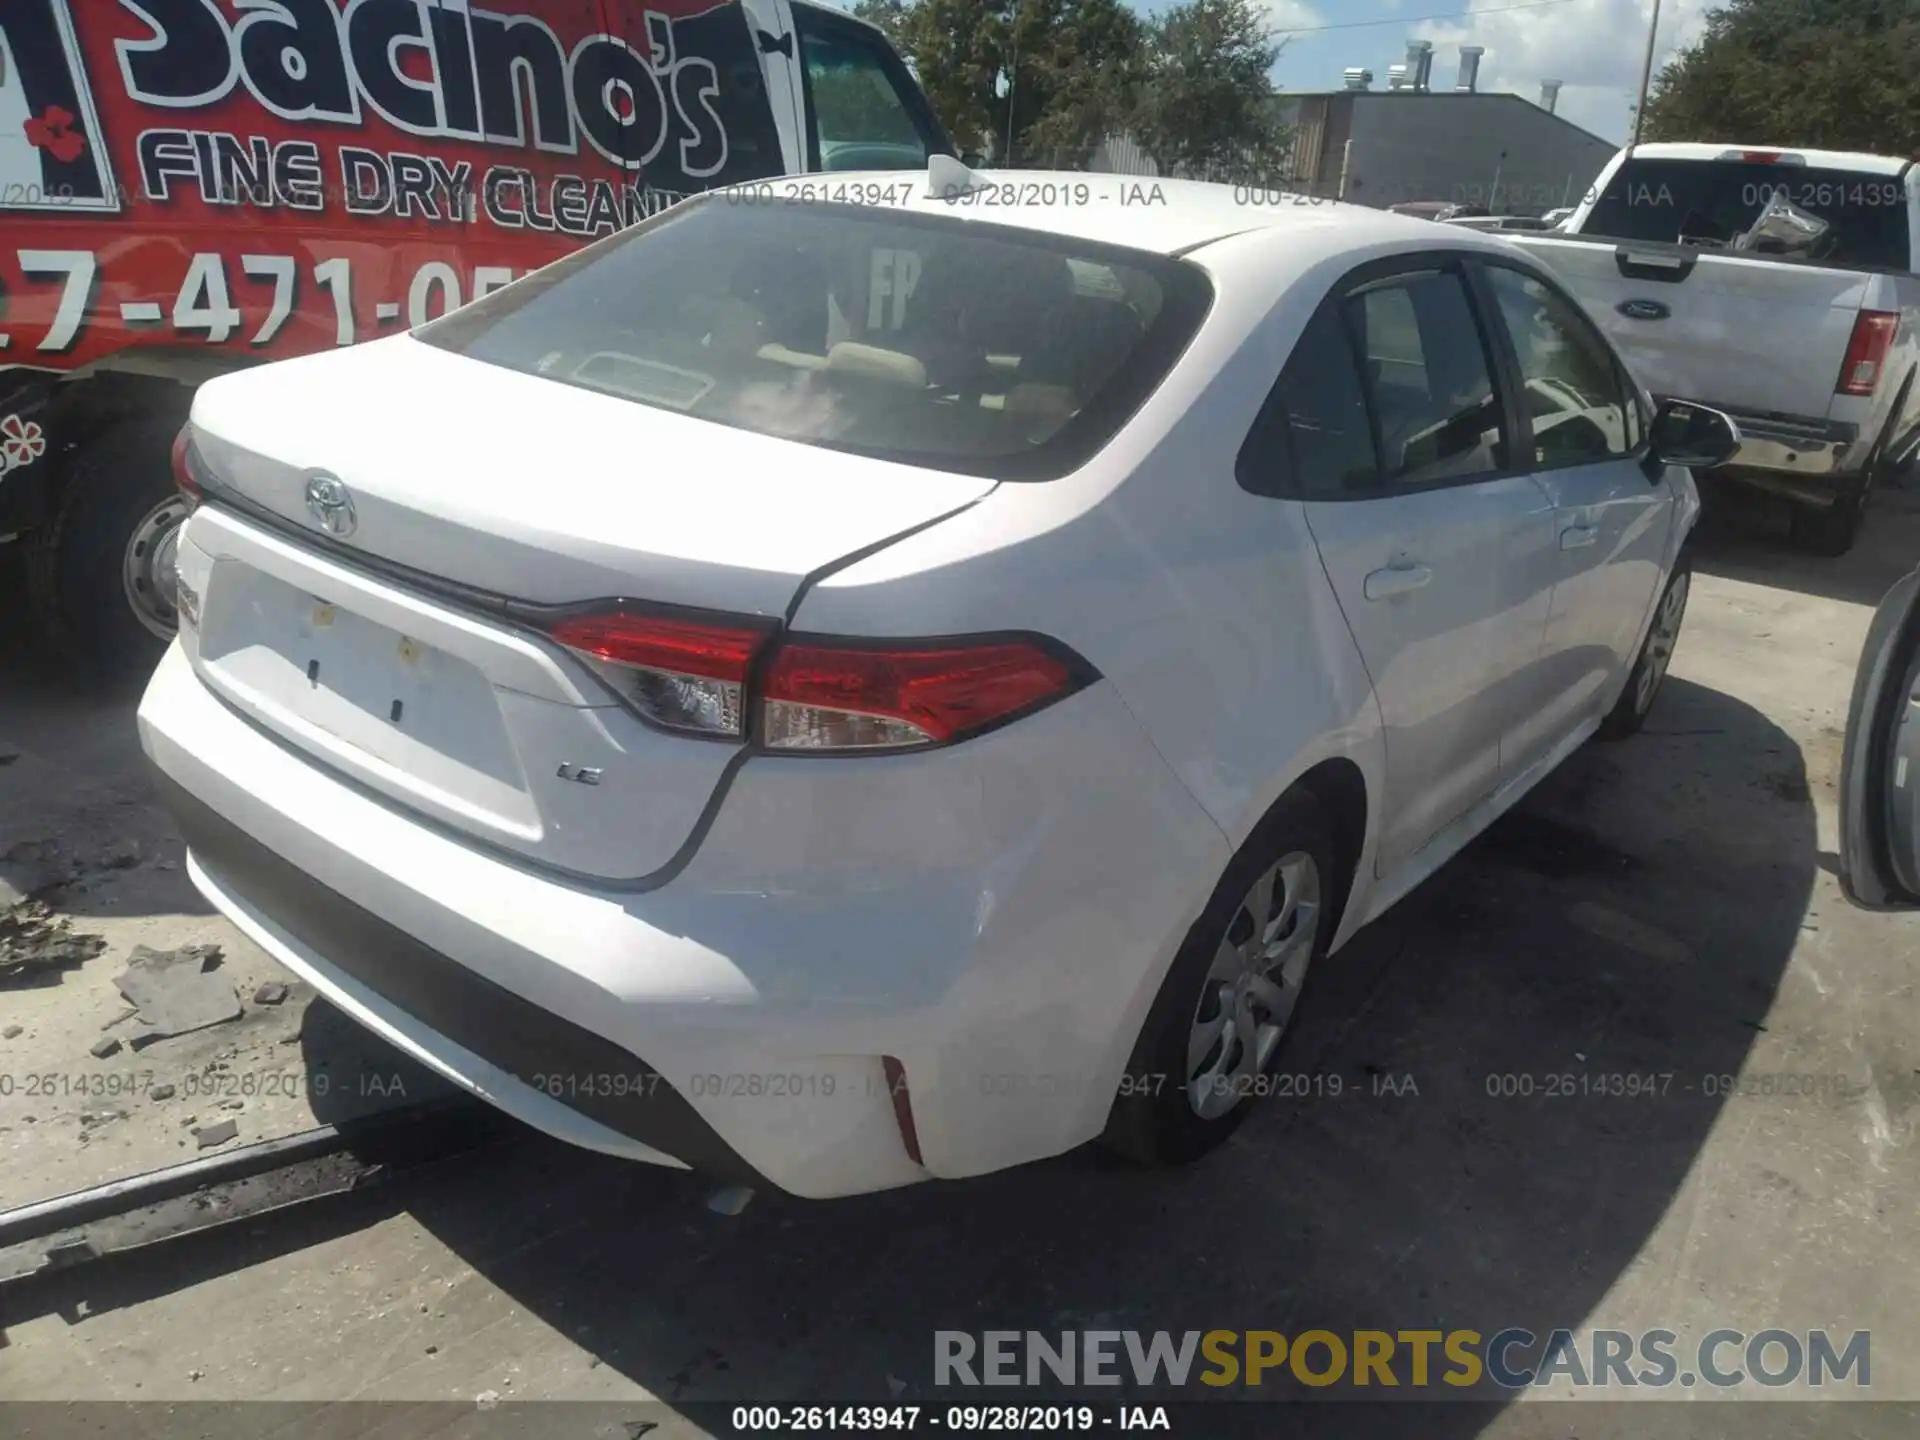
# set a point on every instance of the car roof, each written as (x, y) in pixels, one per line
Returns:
(1858, 160)
(1167, 217)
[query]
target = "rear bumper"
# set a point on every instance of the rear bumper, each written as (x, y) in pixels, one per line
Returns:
(1794, 445)
(556, 1057)
(1807, 458)
(996, 917)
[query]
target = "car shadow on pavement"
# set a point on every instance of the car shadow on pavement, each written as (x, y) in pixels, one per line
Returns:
(1454, 1155)
(1742, 535)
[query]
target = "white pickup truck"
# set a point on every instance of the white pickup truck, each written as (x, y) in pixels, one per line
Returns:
(1775, 285)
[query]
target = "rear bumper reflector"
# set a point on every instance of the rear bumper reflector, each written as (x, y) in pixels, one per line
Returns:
(896, 1074)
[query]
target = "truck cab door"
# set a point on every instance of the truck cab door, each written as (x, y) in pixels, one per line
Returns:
(1880, 764)
(864, 109)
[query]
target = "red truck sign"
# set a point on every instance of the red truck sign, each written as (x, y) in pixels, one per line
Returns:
(284, 175)
(187, 186)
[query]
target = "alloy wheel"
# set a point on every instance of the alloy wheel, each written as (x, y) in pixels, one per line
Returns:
(1661, 638)
(1253, 985)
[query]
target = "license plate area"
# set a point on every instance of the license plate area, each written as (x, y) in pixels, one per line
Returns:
(411, 718)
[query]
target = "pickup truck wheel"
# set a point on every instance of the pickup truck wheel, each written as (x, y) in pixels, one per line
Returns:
(100, 577)
(1828, 529)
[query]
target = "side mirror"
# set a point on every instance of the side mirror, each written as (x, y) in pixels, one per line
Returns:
(1692, 435)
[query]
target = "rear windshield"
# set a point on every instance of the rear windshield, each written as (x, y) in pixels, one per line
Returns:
(1713, 202)
(944, 343)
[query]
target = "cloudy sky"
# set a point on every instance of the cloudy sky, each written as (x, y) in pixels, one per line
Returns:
(1594, 46)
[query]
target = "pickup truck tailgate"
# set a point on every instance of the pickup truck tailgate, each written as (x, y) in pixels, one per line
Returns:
(1743, 334)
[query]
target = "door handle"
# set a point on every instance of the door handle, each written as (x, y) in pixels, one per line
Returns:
(1396, 580)
(1577, 537)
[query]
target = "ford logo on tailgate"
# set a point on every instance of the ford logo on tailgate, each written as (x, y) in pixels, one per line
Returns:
(1643, 310)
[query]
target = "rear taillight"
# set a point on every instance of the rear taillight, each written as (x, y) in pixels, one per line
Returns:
(684, 674)
(826, 696)
(818, 694)
(1873, 332)
(186, 466)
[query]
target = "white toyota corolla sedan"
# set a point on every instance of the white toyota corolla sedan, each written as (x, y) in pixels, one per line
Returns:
(836, 694)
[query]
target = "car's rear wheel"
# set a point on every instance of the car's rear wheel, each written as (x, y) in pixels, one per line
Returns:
(1656, 653)
(1207, 1050)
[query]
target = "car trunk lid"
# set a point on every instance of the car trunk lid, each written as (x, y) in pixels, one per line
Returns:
(386, 648)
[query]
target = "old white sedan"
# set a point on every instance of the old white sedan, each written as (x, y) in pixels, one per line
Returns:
(838, 689)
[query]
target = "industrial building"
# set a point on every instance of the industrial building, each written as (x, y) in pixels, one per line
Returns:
(1411, 141)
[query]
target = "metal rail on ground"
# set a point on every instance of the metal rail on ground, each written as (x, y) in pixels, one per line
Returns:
(240, 1184)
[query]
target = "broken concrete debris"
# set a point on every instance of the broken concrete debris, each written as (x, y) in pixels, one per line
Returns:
(11, 1032)
(209, 1136)
(33, 938)
(161, 1091)
(177, 991)
(103, 1047)
(271, 993)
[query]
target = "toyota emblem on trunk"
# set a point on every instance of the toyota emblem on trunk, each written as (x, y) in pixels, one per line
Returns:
(331, 505)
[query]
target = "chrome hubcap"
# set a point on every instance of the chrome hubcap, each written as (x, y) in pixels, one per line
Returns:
(1253, 985)
(1660, 642)
(149, 570)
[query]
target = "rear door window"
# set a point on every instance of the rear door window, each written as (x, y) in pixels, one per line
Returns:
(1714, 203)
(1313, 439)
(1434, 404)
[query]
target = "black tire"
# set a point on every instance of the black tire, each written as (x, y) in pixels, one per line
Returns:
(1828, 530)
(1832, 528)
(1153, 1121)
(1636, 702)
(75, 561)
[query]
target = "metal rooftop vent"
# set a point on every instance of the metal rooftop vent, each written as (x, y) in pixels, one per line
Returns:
(1470, 67)
(1419, 63)
(1549, 95)
(1358, 77)
(1397, 77)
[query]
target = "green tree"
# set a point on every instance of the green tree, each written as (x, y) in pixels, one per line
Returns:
(1826, 74)
(1073, 66)
(1077, 71)
(1205, 106)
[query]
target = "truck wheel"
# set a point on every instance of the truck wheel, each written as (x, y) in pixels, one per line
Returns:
(1827, 529)
(100, 572)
